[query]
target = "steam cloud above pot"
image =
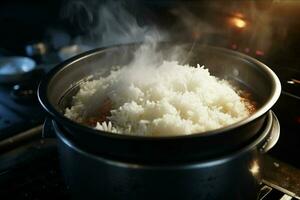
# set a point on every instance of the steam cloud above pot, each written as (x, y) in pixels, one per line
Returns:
(108, 23)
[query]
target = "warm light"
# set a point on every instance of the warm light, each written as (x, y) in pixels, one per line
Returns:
(238, 22)
(239, 15)
(298, 119)
(233, 46)
(259, 53)
(254, 169)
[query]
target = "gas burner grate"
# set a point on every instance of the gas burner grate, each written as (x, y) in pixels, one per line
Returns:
(270, 191)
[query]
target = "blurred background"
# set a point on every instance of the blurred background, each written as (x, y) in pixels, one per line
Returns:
(260, 28)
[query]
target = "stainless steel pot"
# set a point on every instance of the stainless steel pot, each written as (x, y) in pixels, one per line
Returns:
(234, 175)
(120, 166)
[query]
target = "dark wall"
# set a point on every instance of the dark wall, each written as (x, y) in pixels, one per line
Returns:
(25, 21)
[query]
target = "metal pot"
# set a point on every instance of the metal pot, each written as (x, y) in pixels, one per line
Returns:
(198, 166)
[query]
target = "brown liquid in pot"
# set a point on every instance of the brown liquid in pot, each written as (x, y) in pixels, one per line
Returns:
(104, 112)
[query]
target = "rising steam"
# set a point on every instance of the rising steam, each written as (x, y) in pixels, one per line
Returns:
(116, 25)
(108, 24)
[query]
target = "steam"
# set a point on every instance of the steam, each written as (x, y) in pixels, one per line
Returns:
(79, 13)
(118, 26)
(108, 24)
(115, 24)
(262, 29)
(210, 23)
(112, 23)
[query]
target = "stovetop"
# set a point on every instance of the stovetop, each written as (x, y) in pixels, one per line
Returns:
(17, 117)
(35, 175)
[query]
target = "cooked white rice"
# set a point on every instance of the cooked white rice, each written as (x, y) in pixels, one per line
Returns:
(169, 99)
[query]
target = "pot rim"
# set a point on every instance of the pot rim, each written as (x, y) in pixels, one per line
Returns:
(43, 97)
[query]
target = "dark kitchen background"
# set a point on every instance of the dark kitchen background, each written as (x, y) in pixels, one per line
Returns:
(37, 35)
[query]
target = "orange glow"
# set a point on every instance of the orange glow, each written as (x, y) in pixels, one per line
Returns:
(254, 169)
(298, 119)
(233, 46)
(238, 22)
(259, 53)
(239, 15)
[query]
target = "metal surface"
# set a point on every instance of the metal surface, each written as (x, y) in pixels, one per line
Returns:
(282, 175)
(274, 137)
(72, 50)
(15, 140)
(107, 178)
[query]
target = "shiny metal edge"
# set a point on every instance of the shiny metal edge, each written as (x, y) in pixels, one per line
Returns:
(281, 189)
(10, 142)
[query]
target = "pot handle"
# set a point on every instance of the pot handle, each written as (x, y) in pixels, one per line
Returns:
(48, 131)
(272, 137)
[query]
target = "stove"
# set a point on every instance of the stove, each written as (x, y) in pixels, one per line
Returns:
(29, 167)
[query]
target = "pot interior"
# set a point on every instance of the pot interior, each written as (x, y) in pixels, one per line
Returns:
(238, 69)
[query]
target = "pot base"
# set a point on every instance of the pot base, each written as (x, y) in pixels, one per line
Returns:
(234, 176)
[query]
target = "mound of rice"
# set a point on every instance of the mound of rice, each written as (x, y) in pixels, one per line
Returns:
(169, 99)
